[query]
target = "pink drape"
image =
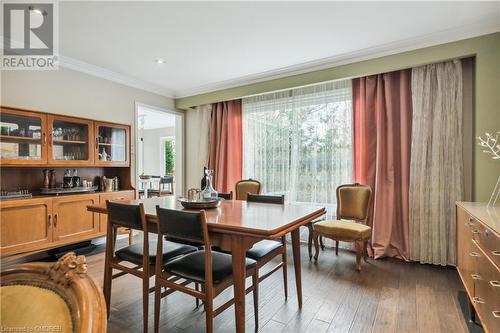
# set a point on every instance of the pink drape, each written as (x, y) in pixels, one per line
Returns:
(382, 138)
(225, 146)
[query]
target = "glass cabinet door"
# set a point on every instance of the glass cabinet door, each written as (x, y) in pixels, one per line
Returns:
(22, 137)
(111, 144)
(70, 141)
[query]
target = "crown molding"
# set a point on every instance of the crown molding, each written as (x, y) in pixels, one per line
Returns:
(81, 66)
(483, 27)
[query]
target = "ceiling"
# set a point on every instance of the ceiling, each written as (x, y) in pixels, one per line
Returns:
(215, 45)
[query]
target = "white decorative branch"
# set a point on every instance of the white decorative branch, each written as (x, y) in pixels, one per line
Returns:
(492, 144)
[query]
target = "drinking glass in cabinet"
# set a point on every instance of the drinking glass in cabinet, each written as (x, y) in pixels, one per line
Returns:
(70, 140)
(20, 137)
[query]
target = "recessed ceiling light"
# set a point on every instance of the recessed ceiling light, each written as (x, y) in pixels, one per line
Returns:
(160, 61)
(38, 11)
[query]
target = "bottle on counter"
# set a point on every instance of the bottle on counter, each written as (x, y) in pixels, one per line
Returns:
(76, 178)
(209, 193)
(204, 178)
(67, 179)
(52, 178)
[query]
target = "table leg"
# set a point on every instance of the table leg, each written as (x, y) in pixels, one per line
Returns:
(296, 264)
(238, 254)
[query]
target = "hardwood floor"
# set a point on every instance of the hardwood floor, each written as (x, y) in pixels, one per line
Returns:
(387, 296)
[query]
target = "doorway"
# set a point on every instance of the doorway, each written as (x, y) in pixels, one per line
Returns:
(159, 145)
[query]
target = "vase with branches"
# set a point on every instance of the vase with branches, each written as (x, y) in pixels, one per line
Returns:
(491, 146)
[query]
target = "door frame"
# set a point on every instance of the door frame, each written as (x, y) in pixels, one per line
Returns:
(179, 142)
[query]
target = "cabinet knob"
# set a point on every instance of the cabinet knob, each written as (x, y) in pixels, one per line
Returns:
(50, 220)
(495, 253)
(474, 254)
(476, 277)
(55, 220)
(478, 300)
(496, 314)
(495, 284)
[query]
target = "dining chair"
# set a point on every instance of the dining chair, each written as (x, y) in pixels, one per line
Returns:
(245, 186)
(162, 183)
(266, 250)
(133, 217)
(211, 269)
(225, 195)
(353, 206)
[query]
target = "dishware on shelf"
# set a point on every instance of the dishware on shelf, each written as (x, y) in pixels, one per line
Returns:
(19, 194)
(103, 156)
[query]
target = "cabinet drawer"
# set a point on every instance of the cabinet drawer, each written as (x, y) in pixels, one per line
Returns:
(489, 242)
(466, 259)
(487, 292)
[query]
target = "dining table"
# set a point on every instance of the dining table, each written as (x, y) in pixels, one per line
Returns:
(235, 226)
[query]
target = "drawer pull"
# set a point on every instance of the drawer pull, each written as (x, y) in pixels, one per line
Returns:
(496, 314)
(495, 284)
(476, 277)
(495, 253)
(474, 254)
(475, 232)
(477, 300)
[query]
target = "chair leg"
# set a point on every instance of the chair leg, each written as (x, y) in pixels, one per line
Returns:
(336, 247)
(209, 311)
(130, 236)
(365, 251)
(359, 253)
(284, 261)
(316, 245)
(321, 243)
(145, 302)
(255, 283)
(310, 240)
(197, 288)
(157, 307)
(108, 271)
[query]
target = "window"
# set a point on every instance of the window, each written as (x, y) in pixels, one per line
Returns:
(299, 142)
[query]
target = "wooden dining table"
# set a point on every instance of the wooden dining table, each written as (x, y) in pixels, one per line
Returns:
(235, 226)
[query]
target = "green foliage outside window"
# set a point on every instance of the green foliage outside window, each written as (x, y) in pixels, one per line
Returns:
(169, 157)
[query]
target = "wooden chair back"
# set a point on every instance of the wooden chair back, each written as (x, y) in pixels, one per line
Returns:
(67, 279)
(353, 202)
(274, 199)
(245, 186)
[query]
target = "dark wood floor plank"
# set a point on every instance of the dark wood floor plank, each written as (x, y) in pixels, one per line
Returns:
(388, 295)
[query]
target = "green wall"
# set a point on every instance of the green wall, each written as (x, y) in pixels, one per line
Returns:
(486, 49)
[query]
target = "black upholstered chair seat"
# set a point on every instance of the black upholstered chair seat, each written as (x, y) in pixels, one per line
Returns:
(134, 253)
(192, 266)
(262, 249)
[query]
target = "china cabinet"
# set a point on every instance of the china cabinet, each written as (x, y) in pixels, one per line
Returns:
(23, 138)
(70, 141)
(111, 144)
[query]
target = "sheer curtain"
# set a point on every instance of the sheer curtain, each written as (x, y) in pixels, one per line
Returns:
(436, 174)
(299, 142)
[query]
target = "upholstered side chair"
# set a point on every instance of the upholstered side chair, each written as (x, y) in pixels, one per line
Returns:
(59, 295)
(353, 206)
(245, 186)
